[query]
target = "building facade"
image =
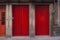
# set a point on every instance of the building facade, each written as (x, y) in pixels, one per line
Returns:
(29, 18)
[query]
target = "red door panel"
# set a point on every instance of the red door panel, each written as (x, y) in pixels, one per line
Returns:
(20, 20)
(42, 20)
(2, 20)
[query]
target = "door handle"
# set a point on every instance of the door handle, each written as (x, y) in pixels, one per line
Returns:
(3, 18)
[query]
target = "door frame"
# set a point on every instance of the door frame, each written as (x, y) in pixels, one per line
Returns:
(31, 20)
(50, 20)
(8, 20)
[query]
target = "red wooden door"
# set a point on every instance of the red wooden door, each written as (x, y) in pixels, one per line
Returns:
(42, 19)
(20, 20)
(2, 20)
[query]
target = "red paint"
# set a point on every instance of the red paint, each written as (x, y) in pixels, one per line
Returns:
(2, 27)
(20, 20)
(42, 20)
